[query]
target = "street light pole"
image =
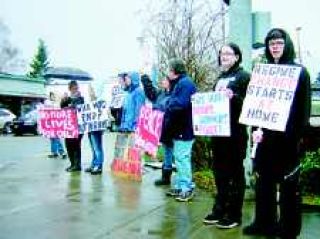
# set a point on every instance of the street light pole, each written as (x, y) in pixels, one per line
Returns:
(298, 29)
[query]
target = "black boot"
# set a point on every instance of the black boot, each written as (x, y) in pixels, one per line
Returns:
(165, 178)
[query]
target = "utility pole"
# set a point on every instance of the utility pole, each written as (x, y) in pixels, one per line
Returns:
(298, 29)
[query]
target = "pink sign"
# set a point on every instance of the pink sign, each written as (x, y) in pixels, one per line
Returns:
(58, 123)
(148, 132)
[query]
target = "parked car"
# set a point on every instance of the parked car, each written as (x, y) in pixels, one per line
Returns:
(26, 124)
(6, 118)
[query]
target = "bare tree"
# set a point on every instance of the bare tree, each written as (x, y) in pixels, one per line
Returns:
(9, 55)
(189, 29)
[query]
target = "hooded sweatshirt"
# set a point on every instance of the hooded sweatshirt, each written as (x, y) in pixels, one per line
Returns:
(300, 110)
(132, 103)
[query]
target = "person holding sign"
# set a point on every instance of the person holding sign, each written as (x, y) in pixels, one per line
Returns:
(95, 138)
(277, 156)
(73, 145)
(230, 151)
(177, 127)
(159, 99)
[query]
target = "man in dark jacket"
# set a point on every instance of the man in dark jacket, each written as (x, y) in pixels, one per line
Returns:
(159, 99)
(178, 127)
(73, 145)
(277, 160)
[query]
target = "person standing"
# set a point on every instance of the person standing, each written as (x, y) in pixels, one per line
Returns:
(73, 145)
(55, 143)
(230, 151)
(159, 99)
(277, 155)
(95, 139)
(177, 127)
(133, 102)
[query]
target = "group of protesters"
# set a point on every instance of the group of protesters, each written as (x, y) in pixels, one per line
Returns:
(276, 162)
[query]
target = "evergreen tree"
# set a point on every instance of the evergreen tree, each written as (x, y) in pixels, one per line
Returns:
(40, 61)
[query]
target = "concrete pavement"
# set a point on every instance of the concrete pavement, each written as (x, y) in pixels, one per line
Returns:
(38, 199)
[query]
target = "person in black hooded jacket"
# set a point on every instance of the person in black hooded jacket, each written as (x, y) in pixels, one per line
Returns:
(159, 99)
(230, 151)
(277, 155)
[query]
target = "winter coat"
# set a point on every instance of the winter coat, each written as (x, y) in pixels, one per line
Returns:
(132, 104)
(177, 123)
(230, 151)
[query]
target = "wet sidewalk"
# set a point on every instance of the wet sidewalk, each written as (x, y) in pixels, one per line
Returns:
(38, 199)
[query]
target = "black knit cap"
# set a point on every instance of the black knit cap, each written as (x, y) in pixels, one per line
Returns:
(177, 65)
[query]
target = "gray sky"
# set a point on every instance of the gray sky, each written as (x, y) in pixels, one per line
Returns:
(100, 36)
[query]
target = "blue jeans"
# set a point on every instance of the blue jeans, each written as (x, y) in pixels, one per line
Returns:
(168, 157)
(95, 138)
(56, 146)
(182, 156)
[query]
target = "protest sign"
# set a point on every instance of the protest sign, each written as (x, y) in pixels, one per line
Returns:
(269, 96)
(58, 123)
(118, 96)
(148, 132)
(211, 114)
(92, 116)
(127, 159)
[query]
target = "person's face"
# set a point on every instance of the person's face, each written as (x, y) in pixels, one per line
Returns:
(276, 48)
(227, 57)
(127, 81)
(172, 75)
(165, 84)
(74, 89)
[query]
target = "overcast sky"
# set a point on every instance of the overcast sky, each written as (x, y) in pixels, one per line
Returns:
(100, 36)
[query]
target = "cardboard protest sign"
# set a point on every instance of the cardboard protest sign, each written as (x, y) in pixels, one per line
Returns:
(118, 96)
(148, 132)
(92, 116)
(127, 159)
(211, 114)
(269, 96)
(58, 123)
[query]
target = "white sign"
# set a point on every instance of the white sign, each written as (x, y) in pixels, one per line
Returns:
(211, 114)
(269, 96)
(92, 116)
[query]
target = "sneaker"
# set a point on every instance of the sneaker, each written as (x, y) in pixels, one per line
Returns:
(73, 169)
(96, 170)
(226, 223)
(211, 219)
(185, 196)
(173, 192)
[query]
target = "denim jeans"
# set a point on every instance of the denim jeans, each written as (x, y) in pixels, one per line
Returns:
(168, 157)
(95, 138)
(56, 146)
(182, 156)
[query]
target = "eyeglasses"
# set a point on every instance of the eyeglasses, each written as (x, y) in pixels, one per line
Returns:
(227, 54)
(276, 43)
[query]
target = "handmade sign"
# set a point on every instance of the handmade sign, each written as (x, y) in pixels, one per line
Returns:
(211, 114)
(127, 159)
(92, 116)
(269, 96)
(118, 96)
(58, 123)
(148, 132)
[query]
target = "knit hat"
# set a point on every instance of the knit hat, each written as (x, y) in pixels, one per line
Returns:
(178, 66)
